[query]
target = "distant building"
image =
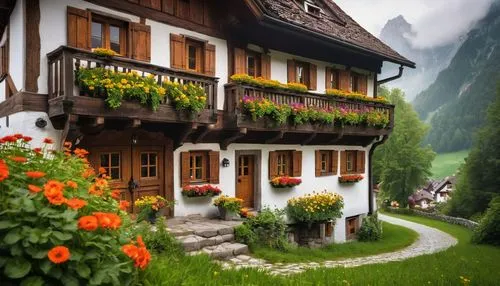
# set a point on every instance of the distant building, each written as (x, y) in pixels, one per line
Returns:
(422, 198)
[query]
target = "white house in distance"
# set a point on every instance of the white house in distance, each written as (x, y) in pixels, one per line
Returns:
(442, 189)
(44, 42)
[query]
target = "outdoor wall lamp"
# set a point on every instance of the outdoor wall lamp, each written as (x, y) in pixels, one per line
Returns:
(134, 139)
(225, 162)
(40, 122)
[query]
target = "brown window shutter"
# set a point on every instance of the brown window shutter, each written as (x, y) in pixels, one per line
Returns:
(328, 74)
(209, 59)
(79, 26)
(317, 161)
(343, 162)
(196, 11)
(213, 158)
(363, 84)
(140, 41)
(265, 62)
(360, 162)
(335, 162)
(273, 164)
(185, 174)
(313, 80)
(345, 78)
(168, 6)
(240, 61)
(177, 51)
(297, 164)
(291, 70)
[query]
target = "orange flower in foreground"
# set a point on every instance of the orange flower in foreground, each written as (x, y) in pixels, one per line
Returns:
(19, 159)
(108, 220)
(68, 144)
(115, 194)
(140, 242)
(75, 203)
(101, 183)
(93, 190)
(88, 172)
(79, 152)
(48, 141)
(34, 189)
(59, 254)
(4, 170)
(54, 192)
(143, 258)
(130, 250)
(124, 205)
(35, 174)
(102, 170)
(72, 184)
(88, 223)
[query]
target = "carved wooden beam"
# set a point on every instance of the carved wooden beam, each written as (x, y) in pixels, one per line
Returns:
(337, 137)
(309, 139)
(70, 127)
(233, 137)
(188, 129)
(279, 135)
(207, 129)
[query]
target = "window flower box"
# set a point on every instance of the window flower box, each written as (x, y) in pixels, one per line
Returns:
(200, 191)
(285, 182)
(315, 207)
(350, 179)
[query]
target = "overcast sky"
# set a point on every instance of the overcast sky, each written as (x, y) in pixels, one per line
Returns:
(436, 22)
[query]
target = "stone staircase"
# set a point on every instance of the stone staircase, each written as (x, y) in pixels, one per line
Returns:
(200, 235)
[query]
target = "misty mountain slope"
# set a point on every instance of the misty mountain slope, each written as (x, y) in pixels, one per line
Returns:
(459, 97)
(430, 61)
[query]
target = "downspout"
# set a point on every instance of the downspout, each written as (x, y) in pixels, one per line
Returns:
(370, 175)
(400, 73)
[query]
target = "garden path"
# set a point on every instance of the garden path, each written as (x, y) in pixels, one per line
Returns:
(430, 240)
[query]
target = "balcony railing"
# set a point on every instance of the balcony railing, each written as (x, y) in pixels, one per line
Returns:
(234, 93)
(63, 88)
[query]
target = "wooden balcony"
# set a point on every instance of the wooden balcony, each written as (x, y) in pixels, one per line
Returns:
(65, 98)
(235, 118)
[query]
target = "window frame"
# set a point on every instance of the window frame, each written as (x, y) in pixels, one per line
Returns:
(327, 155)
(287, 166)
(308, 5)
(199, 55)
(204, 166)
(348, 227)
(109, 167)
(354, 82)
(305, 71)
(106, 23)
(149, 165)
(258, 63)
(354, 154)
(336, 75)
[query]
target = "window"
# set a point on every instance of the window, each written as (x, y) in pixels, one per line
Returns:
(326, 162)
(312, 9)
(253, 64)
(352, 162)
(111, 163)
(149, 165)
(109, 33)
(285, 163)
(332, 79)
(198, 166)
(302, 73)
(194, 51)
(352, 225)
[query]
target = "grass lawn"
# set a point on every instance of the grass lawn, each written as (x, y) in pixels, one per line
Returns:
(478, 263)
(446, 164)
(394, 237)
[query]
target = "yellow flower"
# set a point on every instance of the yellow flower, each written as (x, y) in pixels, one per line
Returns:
(124, 81)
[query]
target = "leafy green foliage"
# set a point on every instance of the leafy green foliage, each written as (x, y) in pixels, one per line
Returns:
(371, 229)
(158, 238)
(188, 97)
(488, 231)
(268, 228)
(244, 234)
(401, 164)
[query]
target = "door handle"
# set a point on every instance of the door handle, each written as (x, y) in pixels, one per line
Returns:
(132, 184)
(239, 180)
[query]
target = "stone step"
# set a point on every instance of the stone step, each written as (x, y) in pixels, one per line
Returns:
(225, 250)
(195, 242)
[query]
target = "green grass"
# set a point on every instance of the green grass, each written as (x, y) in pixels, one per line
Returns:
(446, 164)
(394, 237)
(479, 263)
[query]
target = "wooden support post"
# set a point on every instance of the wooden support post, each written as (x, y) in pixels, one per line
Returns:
(233, 137)
(188, 129)
(207, 129)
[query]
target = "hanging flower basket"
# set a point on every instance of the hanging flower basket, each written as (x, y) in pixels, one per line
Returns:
(285, 182)
(350, 179)
(200, 191)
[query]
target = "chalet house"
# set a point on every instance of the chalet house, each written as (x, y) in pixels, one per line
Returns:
(422, 198)
(441, 189)
(54, 84)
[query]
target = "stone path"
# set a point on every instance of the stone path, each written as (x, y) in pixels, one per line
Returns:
(430, 240)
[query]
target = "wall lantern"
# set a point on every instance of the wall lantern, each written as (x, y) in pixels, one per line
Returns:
(134, 139)
(40, 122)
(225, 162)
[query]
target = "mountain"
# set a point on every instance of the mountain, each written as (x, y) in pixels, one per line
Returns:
(455, 104)
(430, 61)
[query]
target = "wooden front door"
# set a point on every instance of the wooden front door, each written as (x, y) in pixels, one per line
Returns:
(135, 170)
(245, 180)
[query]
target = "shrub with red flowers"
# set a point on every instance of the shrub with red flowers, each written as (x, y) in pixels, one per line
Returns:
(350, 179)
(285, 182)
(200, 191)
(59, 221)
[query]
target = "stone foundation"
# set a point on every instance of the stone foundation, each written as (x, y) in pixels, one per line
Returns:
(311, 235)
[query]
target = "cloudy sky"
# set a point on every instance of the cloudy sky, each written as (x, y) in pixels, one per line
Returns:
(436, 22)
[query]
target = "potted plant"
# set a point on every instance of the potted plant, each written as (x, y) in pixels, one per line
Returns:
(150, 206)
(285, 182)
(228, 206)
(315, 207)
(200, 191)
(350, 179)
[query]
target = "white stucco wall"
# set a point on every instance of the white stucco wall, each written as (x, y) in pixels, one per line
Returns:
(24, 123)
(17, 45)
(355, 196)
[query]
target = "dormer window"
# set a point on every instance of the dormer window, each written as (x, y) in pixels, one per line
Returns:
(312, 9)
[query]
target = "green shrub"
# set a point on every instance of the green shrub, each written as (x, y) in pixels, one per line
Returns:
(158, 238)
(371, 229)
(269, 228)
(488, 231)
(244, 234)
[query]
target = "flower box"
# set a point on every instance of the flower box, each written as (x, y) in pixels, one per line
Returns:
(315, 207)
(228, 206)
(200, 191)
(285, 182)
(350, 179)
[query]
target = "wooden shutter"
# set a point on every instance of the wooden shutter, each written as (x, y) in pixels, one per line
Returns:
(209, 68)
(313, 80)
(265, 66)
(153, 4)
(185, 172)
(297, 163)
(328, 74)
(196, 11)
(168, 6)
(360, 162)
(240, 61)
(79, 27)
(363, 84)
(213, 165)
(177, 51)
(291, 70)
(335, 162)
(141, 41)
(344, 79)
(317, 163)
(343, 162)
(273, 167)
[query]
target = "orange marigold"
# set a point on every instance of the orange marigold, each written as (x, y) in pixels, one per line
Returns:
(34, 189)
(108, 220)
(59, 254)
(72, 184)
(88, 172)
(19, 159)
(79, 152)
(124, 205)
(143, 258)
(138, 253)
(130, 250)
(93, 190)
(54, 192)
(4, 170)
(48, 141)
(115, 194)
(89, 223)
(76, 203)
(101, 183)
(35, 174)
(102, 170)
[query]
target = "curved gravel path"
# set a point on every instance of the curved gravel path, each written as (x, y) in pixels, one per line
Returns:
(430, 240)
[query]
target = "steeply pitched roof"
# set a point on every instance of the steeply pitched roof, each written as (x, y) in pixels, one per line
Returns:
(335, 24)
(422, 195)
(444, 182)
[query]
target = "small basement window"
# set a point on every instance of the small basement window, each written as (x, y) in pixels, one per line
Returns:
(352, 226)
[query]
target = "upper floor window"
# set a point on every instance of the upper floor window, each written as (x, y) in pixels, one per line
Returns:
(199, 167)
(355, 82)
(326, 162)
(285, 163)
(194, 50)
(311, 8)
(352, 162)
(253, 64)
(192, 54)
(332, 78)
(250, 62)
(109, 33)
(302, 72)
